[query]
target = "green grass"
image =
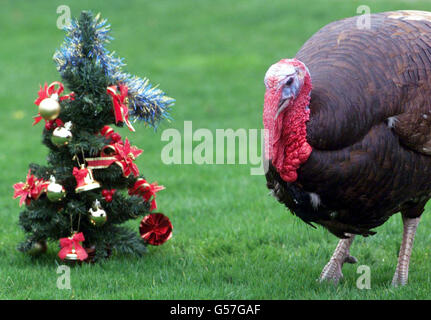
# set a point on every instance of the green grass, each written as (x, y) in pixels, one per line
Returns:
(231, 241)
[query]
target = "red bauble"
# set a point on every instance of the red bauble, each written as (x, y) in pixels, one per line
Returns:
(108, 194)
(156, 229)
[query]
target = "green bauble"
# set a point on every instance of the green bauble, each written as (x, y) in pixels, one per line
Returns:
(62, 135)
(97, 214)
(55, 192)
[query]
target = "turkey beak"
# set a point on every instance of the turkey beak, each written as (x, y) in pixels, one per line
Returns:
(288, 94)
(284, 103)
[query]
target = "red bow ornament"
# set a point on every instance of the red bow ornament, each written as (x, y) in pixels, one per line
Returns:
(29, 190)
(147, 191)
(47, 92)
(52, 124)
(80, 175)
(125, 157)
(121, 154)
(73, 245)
(121, 111)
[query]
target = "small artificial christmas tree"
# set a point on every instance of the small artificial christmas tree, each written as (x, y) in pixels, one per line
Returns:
(76, 198)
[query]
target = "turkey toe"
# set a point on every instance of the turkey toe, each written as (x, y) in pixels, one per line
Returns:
(331, 272)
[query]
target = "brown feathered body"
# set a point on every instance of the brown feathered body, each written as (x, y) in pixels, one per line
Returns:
(369, 125)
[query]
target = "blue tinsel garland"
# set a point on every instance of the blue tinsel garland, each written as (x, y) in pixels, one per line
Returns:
(146, 103)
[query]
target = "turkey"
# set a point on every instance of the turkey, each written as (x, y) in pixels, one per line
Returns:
(348, 123)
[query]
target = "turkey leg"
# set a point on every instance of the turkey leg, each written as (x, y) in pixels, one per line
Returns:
(402, 272)
(332, 270)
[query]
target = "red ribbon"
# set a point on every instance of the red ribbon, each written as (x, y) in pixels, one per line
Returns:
(48, 91)
(67, 244)
(109, 134)
(121, 154)
(121, 111)
(147, 191)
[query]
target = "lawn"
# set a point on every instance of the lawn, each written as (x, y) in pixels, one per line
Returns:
(231, 241)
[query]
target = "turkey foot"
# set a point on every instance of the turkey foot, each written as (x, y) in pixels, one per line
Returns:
(402, 270)
(332, 270)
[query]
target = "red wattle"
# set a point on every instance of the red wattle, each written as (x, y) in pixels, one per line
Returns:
(287, 144)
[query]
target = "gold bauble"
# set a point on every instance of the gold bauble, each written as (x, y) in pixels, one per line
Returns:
(49, 108)
(62, 135)
(97, 214)
(55, 192)
(37, 248)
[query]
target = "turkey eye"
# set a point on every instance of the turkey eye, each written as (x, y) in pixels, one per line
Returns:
(289, 82)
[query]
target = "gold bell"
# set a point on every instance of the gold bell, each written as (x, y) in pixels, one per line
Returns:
(49, 108)
(72, 256)
(97, 214)
(88, 183)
